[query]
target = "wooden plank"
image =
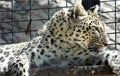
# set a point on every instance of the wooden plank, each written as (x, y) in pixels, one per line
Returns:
(100, 70)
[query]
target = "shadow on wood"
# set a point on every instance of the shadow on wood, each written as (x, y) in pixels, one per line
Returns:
(100, 70)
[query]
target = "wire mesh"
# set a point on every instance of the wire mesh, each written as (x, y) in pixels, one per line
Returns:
(28, 21)
(114, 22)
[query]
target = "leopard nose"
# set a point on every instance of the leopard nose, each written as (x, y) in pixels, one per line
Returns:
(105, 44)
(105, 40)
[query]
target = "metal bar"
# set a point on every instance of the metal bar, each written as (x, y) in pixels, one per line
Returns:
(12, 21)
(30, 3)
(48, 10)
(115, 25)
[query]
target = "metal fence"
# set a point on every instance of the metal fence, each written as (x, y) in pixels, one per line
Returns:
(115, 22)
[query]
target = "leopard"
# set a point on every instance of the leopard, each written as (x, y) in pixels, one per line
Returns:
(73, 36)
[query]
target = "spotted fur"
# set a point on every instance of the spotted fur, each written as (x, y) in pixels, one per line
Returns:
(73, 36)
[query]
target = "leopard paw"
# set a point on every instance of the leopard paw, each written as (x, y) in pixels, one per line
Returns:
(115, 65)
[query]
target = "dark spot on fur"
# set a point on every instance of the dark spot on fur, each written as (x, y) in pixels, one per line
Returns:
(47, 55)
(61, 24)
(2, 59)
(53, 51)
(52, 33)
(14, 71)
(67, 51)
(55, 45)
(23, 70)
(83, 37)
(75, 58)
(82, 27)
(6, 54)
(30, 50)
(24, 49)
(71, 34)
(89, 23)
(60, 47)
(66, 35)
(55, 55)
(66, 56)
(79, 53)
(78, 30)
(16, 65)
(18, 74)
(46, 39)
(21, 64)
(52, 41)
(84, 32)
(54, 24)
(18, 61)
(61, 41)
(107, 55)
(68, 14)
(28, 45)
(116, 56)
(87, 37)
(39, 46)
(7, 48)
(65, 21)
(13, 64)
(71, 63)
(86, 53)
(69, 38)
(60, 35)
(85, 50)
(47, 47)
(77, 40)
(37, 50)
(42, 51)
(106, 62)
(77, 35)
(1, 50)
(48, 35)
(89, 27)
(32, 55)
(38, 57)
(60, 19)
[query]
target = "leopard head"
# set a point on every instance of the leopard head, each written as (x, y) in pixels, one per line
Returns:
(77, 27)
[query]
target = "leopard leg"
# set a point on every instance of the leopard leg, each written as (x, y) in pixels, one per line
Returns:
(114, 63)
(112, 58)
(19, 66)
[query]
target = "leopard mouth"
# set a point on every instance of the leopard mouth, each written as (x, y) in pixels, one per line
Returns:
(92, 48)
(83, 46)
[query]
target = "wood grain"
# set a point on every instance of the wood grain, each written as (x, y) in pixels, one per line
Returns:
(100, 70)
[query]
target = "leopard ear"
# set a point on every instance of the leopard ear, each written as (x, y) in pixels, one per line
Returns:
(95, 9)
(79, 10)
